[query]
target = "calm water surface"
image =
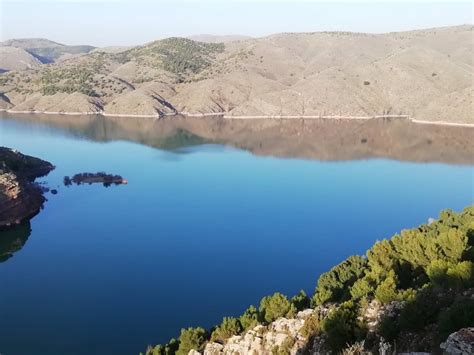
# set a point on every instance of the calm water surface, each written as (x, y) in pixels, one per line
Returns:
(199, 232)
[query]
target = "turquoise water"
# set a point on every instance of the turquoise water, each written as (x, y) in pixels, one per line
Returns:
(199, 232)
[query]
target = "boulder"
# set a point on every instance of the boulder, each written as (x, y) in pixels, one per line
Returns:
(460, 342)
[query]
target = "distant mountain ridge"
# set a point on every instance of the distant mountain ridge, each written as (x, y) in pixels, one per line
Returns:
(208, 38)
(427, 74)
(30, 43)
(44, 50)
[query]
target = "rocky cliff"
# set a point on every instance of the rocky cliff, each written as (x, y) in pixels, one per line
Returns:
(20, 197)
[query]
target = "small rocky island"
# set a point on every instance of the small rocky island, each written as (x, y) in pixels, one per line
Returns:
(95, 178)
(20, 197)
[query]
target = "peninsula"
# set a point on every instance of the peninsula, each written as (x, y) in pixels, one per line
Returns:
(20, 197)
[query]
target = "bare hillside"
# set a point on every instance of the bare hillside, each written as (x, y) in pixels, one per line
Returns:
(46, 51)
(12, 58)
(427, 74)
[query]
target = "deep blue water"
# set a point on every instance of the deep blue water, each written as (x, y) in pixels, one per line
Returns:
(197, 234)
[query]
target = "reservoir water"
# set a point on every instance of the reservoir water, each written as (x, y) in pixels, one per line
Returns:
(212, 220)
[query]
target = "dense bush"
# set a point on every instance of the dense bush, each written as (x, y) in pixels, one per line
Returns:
(167, 349)
(342, 326)
(301, 301)
(448, 274)
(459, 315)
(387, 290)
(423, 309)
(250, 318)
(276, 306)
(191, 338)
(230, 326)
(333, 286)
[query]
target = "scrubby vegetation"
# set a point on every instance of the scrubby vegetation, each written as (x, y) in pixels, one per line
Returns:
(180, 56)
(80, 77)
(175, 59)
(428, 271)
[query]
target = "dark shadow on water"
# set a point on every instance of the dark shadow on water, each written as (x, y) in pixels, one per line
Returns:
(12, 239)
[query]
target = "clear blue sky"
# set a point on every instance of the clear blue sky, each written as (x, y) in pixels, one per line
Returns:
(126, 22)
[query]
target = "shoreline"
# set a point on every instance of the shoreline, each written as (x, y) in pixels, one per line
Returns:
(246, 117)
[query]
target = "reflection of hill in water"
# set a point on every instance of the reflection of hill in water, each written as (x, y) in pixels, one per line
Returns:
(104, 129)
(300, 138)
(13, 239)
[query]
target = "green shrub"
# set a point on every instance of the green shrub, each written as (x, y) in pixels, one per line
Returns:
(230, 326)
(389, 328)
(342, 327)
(333, 286)
(387, 290)
(191, 338)
(423, 309)
(311, 326)
(459, 315)
(250, 318)
(301, 301)
(276, 306)
(167, 349)
(448, 274)
(361, 288)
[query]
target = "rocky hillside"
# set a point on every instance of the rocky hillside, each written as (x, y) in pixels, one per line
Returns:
(20, 198)
(409, 293)
(426, 74)
(290, 336)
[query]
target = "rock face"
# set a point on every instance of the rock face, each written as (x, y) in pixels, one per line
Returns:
(287, 336)
(20, 197)
(283, 334)
(460, 342)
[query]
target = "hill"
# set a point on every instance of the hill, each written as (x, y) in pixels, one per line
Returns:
(46, 51)
(426, 74)
(12, 58)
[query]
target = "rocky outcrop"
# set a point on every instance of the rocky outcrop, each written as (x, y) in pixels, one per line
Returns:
(376, 311)
(289, 336)
(283, 335)
(460, 342)
(20, 197)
